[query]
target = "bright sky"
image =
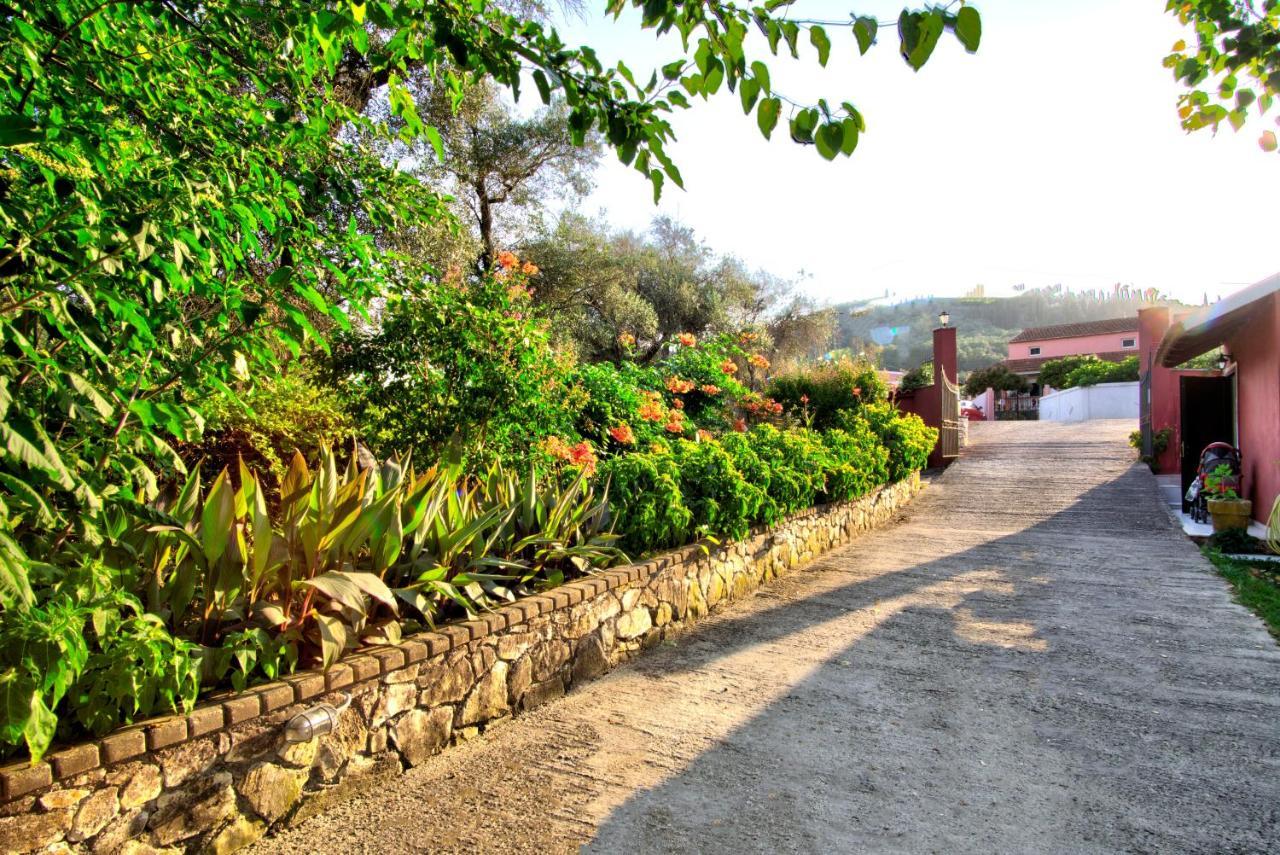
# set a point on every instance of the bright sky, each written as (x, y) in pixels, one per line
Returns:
(1053, 155)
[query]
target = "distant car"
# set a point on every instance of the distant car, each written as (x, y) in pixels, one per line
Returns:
(971, 411)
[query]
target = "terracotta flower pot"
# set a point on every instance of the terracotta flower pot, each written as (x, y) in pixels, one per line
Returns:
(1230, 514)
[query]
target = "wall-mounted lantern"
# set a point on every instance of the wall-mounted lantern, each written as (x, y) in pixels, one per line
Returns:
(317, 721)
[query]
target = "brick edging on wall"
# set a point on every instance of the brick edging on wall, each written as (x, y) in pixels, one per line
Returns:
(221, 775)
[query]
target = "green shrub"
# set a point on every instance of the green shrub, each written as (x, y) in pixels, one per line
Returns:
(1093, 371)
(455, 362)
(756, 472)
(88, 647)
(799, 463)
(294, 410)
(721, 500)
(906, 437)
(647, 504)
(611, 395)
(824, 390)
(917, 378)
(997, 377)
(860, 462)
(1054, 372)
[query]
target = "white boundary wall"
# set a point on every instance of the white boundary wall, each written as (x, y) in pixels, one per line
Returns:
(1083, 403)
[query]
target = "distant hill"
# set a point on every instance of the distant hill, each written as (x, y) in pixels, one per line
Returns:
(901, 333)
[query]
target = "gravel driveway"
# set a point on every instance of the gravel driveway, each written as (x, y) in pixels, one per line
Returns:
(1033, 659)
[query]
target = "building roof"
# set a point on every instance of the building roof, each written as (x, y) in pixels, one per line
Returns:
(1031, 365)
(1111, 325)
(1204, 329)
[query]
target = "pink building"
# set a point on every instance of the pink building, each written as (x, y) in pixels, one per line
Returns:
(1114, 340)
(1238, 402)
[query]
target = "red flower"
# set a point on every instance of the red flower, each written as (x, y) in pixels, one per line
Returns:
(507, 260)
(740, 425)
(622, 434)
(857, 391)
(687, 339)
(710, 389)
(729, 367)
(758, 360)
(678, 386)
(678, 404)
(804, 399)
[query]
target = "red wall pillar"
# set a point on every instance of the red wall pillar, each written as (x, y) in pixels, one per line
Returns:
(1166, 391)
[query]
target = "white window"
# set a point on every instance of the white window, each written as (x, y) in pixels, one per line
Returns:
(1128, 342)
(1035, 351)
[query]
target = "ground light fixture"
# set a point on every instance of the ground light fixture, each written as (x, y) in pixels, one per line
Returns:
(314, 722)
(944, 318)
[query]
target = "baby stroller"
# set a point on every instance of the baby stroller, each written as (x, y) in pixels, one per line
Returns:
(1215, 454)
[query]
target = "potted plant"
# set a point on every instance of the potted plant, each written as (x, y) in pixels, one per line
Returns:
(1227, 509)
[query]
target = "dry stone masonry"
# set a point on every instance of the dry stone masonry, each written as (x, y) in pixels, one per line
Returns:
(219, 778)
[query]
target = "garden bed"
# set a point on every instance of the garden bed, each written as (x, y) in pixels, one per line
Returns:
(222, 775)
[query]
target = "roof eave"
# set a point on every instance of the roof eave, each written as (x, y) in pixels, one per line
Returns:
(1207, 328)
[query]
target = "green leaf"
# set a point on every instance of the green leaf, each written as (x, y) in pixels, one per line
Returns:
(767, 116)
(655, 178)
(919, 33)
(18, 130)
(803, 124)
(40, 727)
(830, 137)
(761, 72)
(821, 43)
(216, 518)
(333, 638)
(31, 497)
(849, 140)
(748, 91)
(864, 30)
(101, 404)
(969, 28)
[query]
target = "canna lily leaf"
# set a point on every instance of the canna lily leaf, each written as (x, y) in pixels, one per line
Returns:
(333, 638)
(371, 585)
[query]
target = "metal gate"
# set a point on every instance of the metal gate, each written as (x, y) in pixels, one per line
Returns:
(949, 435)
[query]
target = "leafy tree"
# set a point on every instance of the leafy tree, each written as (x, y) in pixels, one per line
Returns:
(1233, 66)
(997, 377)
(1054, 372)
(658, 285)
(494, 160)
(1093, 371)
(917, 378)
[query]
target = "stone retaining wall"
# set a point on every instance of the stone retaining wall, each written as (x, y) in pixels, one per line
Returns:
(218, 778)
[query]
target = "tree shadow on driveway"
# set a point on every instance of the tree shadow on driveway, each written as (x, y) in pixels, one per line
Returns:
(1078, 684)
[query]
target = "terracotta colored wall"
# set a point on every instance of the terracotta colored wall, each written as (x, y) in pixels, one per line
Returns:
(1166, 395)
(1257, 354)
(1071, 346)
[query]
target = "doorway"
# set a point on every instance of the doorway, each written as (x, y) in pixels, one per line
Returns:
(1208, 415)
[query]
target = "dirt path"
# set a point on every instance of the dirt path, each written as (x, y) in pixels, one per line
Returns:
(1032, 660)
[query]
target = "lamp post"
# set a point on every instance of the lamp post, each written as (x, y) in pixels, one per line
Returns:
(944, 318)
